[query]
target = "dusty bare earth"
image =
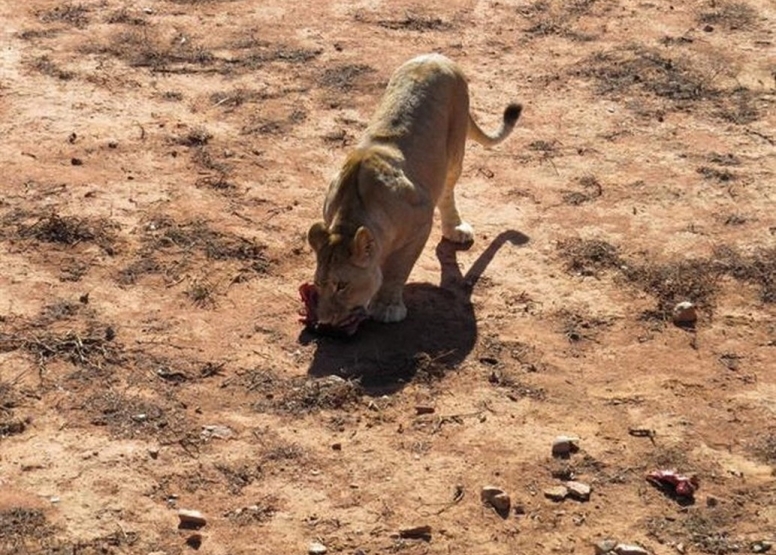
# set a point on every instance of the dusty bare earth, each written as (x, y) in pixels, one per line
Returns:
(162, 161)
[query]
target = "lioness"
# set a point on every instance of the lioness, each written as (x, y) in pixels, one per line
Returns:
(379, 209)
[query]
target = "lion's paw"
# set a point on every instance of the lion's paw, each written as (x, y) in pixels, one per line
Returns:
(389, 313)
(462, 233)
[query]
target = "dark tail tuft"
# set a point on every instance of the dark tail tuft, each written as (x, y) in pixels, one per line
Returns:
(512, 113)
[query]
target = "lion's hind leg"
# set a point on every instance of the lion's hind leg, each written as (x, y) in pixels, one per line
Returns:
(454, 228)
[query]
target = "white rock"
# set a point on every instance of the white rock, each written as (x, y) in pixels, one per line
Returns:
(316, 548)
(605, 546)
(578, 490)
(556, 493)
(685, 313)
(625, 549)
(217, 431)
(191, 518)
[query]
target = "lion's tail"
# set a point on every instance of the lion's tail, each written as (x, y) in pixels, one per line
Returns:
(511, 115)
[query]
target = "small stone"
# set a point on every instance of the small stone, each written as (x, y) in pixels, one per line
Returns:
(563, 446)
(495, 497)
(708, 29)
(556, 493)
(76, 162)
(113, 144)
(625, 549)
(218, 432)
(153, 452)
(194, 541)
(422, 532)
(605, 546)
(761, 547)
(191, 519)
(578, 490)
(316, 548)
(684, 313)
(419, 410)
(336, 446)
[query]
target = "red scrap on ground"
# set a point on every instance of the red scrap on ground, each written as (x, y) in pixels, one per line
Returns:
(309, 315)
(682, 486)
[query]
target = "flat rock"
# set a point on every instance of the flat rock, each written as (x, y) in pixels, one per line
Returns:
(605, 546)
(495, 497)
(563, 446)
(191, 519)
(556, 493)
(422, 532)
(684, 313)
(316, 548)
(578, 490)
(626, 549)
(217, 431)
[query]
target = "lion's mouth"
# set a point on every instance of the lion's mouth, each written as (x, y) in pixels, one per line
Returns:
(309, 315)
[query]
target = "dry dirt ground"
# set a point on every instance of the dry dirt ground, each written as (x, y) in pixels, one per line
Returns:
(162, 161)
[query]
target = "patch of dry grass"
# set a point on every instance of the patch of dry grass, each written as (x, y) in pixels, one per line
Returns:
(661, 75)
(588, 257)
(730, 15)
(71, 230)
(45, 66)
(343, 78)
(557, 18)
(67, 13)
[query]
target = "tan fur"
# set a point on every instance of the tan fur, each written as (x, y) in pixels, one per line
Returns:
(379, 210)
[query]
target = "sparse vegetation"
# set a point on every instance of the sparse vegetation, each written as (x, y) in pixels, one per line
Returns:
(415, 22)
(165, 233)
(45, 66)
(556, 18)
(68, 13)
(343, 77)
(658, 76)
(731, 15)
(71, 230)
(202, 293)
(589, 257)
(591, 190)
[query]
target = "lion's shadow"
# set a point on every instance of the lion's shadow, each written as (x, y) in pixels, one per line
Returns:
(440, 328)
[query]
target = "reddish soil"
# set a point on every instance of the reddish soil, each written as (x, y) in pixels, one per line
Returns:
(162, 163)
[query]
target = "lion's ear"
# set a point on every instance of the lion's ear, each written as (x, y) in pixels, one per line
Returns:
(318, 236)
(363, 247)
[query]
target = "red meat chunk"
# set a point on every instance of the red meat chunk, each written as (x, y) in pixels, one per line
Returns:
(682, 486)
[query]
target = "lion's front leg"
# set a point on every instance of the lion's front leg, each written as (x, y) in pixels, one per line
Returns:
(388, 304)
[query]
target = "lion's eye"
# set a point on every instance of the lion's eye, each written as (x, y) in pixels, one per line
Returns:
(340, 286)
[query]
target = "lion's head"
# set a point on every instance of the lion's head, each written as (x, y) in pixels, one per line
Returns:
(347, 275)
